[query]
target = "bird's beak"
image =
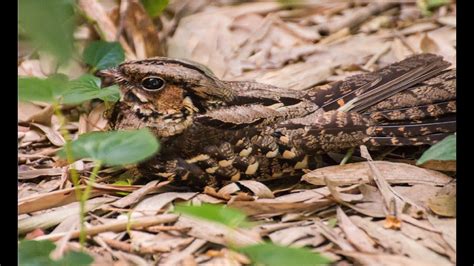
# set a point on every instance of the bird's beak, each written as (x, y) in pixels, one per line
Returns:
(112, 73)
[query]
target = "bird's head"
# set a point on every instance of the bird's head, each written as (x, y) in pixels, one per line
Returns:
(164, 94)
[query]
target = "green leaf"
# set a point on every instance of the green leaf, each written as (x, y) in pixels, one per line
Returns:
(50, 25)
(36, 253)
(332, 222)
(216, 213)
(43, 90)
(115, 147)
(87, 87)
(75, 258)
(122, 183)
(444, 150)
(154, 7)
(101, 55)
(273, 255)
(427, 6)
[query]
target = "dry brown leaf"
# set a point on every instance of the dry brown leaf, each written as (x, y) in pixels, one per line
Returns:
(287, 236)
(333, 236)
(96, 121)
(448, 228)
(382, 259)
(419, 193)
(53, 135)
(217, 233)
(298, 76)
(305, 195)
(102, 23)
(394, 173)
(161, 242)
(444, 202)
(339, 196)
(34, 173)
(398, 243)
(228, 190)
(141, 31)
(354, 234)
(400, 50)
(55, 216)
(440, 165)
(259, 189)
(29, 112)
(448, 21)
(427, 45)
(257, 208)
(138, 194)
(31, 68)
(153, 204)
(430, 239)
(207, 199)
(178, 255)
(58, 198)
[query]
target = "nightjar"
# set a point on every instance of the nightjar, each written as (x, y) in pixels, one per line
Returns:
(214, 132)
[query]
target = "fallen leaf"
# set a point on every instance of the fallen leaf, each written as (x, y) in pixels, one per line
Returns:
(354, 234)
(153, 204)
(259, 189)
(53, 135)
(444, 202)
(394, 173)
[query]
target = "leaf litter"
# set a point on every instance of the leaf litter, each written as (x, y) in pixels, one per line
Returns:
(297, 48)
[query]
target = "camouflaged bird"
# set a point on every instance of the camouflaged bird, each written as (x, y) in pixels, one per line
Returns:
(214, 132)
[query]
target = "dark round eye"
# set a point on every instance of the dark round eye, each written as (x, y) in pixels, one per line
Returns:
(153, 83)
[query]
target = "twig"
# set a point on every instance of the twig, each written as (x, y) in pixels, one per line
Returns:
(355, 18)
(129, 248)
(116, 226)
(376, 56)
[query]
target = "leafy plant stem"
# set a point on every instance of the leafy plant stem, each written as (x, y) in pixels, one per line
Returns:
(70, 159)
(67, 147)
(347, 156)
(82, 203)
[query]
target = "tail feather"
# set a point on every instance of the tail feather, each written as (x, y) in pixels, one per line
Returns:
(414, 130)
(413, 113)
(441, 88)
(362, 91)
(403, 141)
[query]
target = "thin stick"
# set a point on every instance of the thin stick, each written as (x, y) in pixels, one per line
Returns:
(116, 226)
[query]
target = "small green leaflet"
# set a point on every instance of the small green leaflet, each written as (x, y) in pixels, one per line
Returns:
(36, 253)
(273, 255)
(216, 213)
(154, 7)
(87, 87)
(444, 150)
(57, 88)
(43, 90)
(115, 148)
(101, 55)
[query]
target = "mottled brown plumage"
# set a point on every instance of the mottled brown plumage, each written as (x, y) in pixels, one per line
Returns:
(214, 132)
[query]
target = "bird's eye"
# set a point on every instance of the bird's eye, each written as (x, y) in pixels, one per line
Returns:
(153, 83)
